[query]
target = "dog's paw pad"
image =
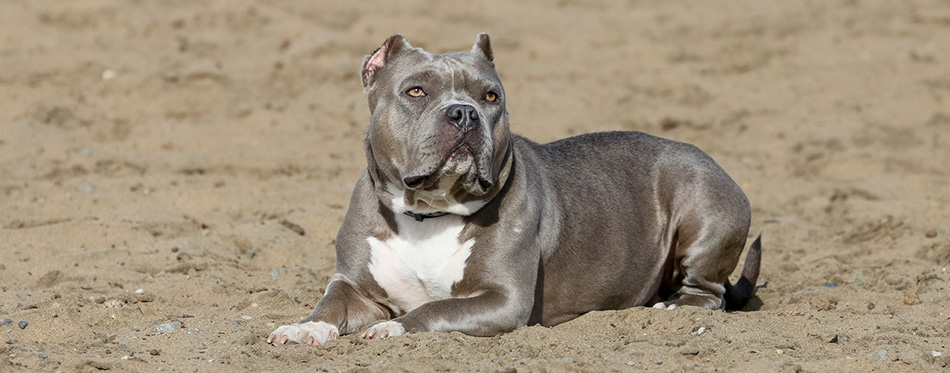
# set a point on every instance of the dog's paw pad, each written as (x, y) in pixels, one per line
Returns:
(314, 333)
(384, 330)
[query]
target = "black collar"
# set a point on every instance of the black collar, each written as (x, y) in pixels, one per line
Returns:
(420, 217)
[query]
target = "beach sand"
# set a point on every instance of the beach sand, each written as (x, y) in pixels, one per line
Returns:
(152, 151)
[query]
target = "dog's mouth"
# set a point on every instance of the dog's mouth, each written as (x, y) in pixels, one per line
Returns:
(460, 164)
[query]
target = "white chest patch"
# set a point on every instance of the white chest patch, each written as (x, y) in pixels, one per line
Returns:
(421, 263)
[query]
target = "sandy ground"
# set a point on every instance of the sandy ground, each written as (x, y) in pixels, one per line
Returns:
(150, 151)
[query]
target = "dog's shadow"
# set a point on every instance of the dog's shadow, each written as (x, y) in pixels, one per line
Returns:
(753, 305)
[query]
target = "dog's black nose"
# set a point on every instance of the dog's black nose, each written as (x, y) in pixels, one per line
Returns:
(462, 116)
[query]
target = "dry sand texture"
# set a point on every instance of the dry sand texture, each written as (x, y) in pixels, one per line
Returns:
(159, 145)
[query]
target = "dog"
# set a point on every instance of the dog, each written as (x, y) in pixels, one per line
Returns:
(459, 225)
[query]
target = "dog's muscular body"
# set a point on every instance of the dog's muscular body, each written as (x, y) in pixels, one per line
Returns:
(458, 225)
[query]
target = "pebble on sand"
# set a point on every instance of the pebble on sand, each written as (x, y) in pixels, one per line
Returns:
(6, 322)
(911, 299)
(42, 355)
(23, 324)
(293, 227)
(881, 354)
(167, 327)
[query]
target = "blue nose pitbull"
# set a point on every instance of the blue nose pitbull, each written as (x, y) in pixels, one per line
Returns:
(459, 225)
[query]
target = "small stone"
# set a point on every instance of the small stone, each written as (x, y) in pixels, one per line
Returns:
(932, 353)
(123, 345)
(692, 351)
(830, 285)
(167, 327)
(911, 299)
(154, 352)
(881, 354)
(6, 322)
(23, 324)
(275, 272)
(701, 330)
(755, 351)
(42, 355)
(631, 363)
(139, 291)
(871, 306)
(293, 227)
(12, 341)
(779, 351)
(931, 233)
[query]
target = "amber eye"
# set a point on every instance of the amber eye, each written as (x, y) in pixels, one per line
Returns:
(491, 96)
(415, 92)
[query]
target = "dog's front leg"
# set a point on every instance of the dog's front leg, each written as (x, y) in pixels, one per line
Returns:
(490, 313)
(342, 310)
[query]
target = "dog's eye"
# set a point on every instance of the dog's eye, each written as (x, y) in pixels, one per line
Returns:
(491, 96)
(415, 92)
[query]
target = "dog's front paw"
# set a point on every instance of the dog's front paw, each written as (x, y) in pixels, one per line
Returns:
(384, 330)
(314, 333)
(664, 306)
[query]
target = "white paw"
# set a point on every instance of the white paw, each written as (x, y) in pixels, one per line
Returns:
(314, 333)
(664, 306)
(384, 329)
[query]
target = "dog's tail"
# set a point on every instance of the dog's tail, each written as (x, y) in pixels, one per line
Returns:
(738, 294)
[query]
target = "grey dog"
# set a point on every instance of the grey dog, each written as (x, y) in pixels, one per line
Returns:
(458, 225)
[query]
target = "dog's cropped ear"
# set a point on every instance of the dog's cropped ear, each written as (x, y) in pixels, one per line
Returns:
(483, 47)
(392, 48)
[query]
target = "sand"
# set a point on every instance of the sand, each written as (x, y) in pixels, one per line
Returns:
(150, 152)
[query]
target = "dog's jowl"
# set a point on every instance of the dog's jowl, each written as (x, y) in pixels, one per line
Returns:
(459, 225)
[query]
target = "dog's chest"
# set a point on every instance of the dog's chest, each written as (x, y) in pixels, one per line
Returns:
(420, 264)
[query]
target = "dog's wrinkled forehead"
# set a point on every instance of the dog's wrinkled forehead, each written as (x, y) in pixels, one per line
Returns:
(396, 66)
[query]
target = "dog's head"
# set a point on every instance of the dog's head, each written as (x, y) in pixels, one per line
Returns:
(438, 138)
